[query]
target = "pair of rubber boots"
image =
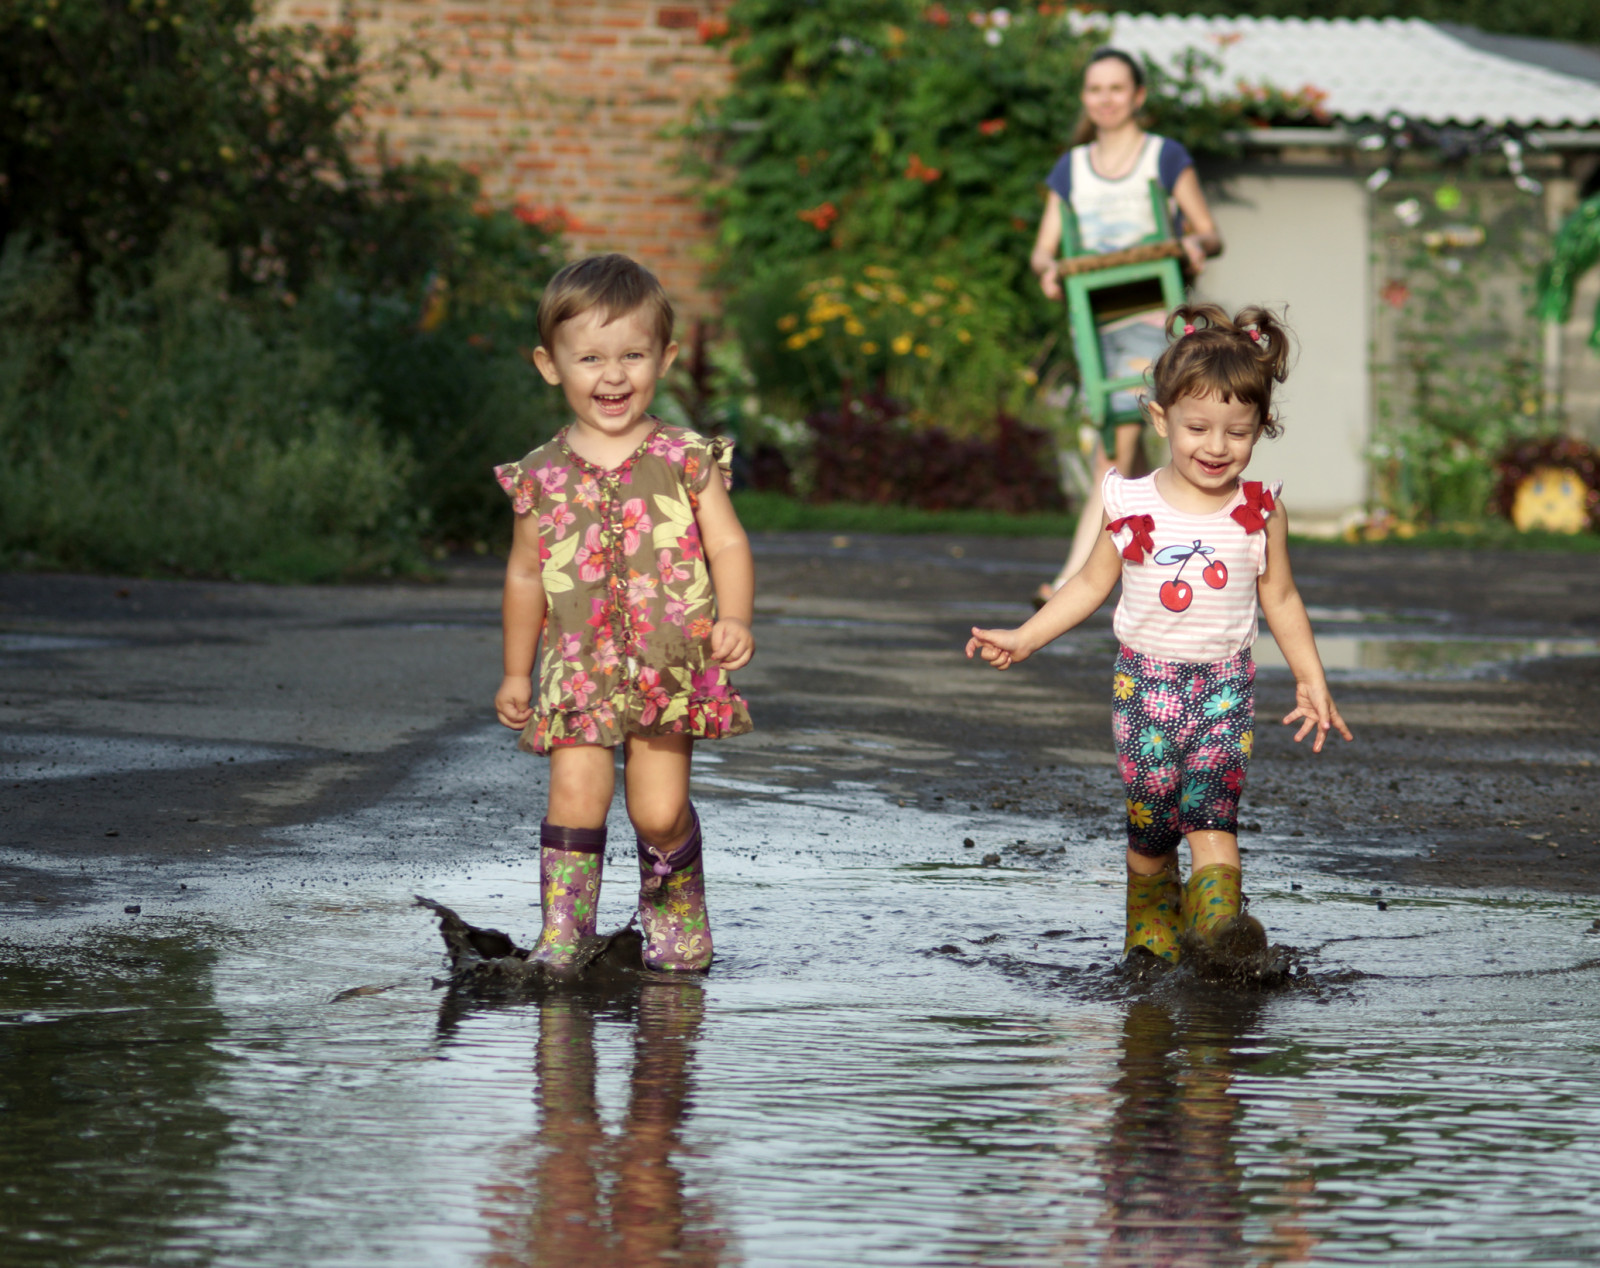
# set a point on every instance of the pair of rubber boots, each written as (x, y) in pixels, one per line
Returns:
(1207, 910)
(672, 899)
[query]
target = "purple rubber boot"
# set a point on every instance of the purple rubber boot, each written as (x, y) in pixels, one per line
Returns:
(570, 863)
(672, 906)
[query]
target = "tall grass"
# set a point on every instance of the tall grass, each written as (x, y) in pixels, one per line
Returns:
(175, 429)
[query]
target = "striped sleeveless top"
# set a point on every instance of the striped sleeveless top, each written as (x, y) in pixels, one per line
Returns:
(1188, 581)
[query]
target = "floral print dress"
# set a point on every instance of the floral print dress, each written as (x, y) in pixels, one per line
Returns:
(627, 638)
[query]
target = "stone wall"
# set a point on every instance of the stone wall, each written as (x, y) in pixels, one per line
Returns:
(561, 107)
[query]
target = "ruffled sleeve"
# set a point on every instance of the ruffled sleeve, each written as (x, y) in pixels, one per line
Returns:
(520, 483)
(706, 454)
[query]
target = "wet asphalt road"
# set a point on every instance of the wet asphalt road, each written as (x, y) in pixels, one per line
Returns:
(168, 726)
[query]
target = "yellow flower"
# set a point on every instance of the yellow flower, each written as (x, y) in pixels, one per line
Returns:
(813, 332)
(879, 272)
(964, 336)
(918, 309)
(1139, 814)
(797, 341)
(945, 283)
(923, 350)
(901, 344)
(1122, 686)
(869, 348)
(788, 321)
(1029, 376)
(1247, 742)
(854, 327)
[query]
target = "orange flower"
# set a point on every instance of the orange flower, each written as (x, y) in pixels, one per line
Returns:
(937, 14)
(917, 170)
(819, 217)
(712, 29)
(992, 127)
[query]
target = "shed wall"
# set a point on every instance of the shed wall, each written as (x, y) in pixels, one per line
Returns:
(1300, 242)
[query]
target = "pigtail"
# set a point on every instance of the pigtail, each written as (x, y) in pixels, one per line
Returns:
(1239, 356)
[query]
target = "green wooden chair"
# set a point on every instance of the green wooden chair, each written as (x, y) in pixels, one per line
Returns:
(1102, 288)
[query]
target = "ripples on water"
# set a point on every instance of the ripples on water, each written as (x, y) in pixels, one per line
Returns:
(836, 1092)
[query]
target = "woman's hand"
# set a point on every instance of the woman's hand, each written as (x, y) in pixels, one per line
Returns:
(513, 703)
(732, 643)
(1050, 280)
(1001, 648)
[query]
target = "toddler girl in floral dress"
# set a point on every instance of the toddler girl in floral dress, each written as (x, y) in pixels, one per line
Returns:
(1195, 547)
(629, 559)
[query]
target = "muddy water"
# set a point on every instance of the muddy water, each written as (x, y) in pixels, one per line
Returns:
(902, 1056)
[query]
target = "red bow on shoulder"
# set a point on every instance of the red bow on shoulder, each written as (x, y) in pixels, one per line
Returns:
(1140, 526)
(1257, 505)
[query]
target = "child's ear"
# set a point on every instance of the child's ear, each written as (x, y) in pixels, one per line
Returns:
(1158, 418)
(547, 366)
(669, 354)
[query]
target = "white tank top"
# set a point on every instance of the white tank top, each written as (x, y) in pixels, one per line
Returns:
(1113, 214)
(1188, 581)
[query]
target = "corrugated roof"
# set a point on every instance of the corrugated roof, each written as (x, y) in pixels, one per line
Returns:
(1368, 68)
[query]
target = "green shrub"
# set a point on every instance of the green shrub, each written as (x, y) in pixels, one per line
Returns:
(176, 430)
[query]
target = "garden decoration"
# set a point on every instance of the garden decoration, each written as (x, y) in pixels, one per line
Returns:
(1575, 251)
(1551, 484)
(1101, 288)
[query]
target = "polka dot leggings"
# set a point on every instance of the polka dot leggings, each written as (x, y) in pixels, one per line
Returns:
(1183, 733)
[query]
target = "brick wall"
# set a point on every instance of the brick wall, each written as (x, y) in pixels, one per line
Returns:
(559, 106)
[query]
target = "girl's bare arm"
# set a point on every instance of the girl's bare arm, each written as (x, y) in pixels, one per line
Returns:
(1291, 627)
(1069, 606)
(522, 612)
(733, 575)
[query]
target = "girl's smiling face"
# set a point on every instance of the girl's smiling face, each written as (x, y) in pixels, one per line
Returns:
(608, 372)
(1211, 441)
(1110, 97)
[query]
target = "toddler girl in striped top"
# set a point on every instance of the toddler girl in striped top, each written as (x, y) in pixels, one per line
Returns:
(1195, 546)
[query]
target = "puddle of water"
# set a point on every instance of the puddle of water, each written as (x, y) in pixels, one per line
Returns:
(1351, 656)
(40, 756)
(838, 1090)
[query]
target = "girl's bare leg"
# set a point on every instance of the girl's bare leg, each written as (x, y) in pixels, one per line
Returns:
(1206, 848)
(672, 883)
(656, 776)
(582, 779)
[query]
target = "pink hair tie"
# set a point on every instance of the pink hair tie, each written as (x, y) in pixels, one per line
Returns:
(1188, 330)
(1255, 335)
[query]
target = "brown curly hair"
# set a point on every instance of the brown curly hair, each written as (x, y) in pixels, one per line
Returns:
(1233, 358)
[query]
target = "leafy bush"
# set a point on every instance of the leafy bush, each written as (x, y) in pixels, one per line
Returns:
(893, 136)
(866, 451)
(172, 431)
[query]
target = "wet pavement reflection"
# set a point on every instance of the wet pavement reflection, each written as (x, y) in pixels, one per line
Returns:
(575, 1193)
(225, 1037)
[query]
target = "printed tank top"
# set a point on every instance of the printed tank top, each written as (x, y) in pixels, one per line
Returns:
(1188, 581)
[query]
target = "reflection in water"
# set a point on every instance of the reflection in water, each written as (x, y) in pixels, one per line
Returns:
(1172, 1176)
(582, 1197)
(108, 1145)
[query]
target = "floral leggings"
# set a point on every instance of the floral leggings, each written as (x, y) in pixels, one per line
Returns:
(1184, 734)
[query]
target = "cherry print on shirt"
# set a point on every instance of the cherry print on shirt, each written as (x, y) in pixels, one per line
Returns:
(1178, 594)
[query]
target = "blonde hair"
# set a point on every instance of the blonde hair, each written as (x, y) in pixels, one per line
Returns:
(614, 284)
(1235, 358)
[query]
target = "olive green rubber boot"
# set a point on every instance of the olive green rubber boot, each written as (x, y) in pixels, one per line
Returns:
(1211, 898)
(1154, 911)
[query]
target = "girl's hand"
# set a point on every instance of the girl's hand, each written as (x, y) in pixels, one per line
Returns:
(732, 643)
(513, 702)
(1194, 247)
(1315, 708)
(1001, 648)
